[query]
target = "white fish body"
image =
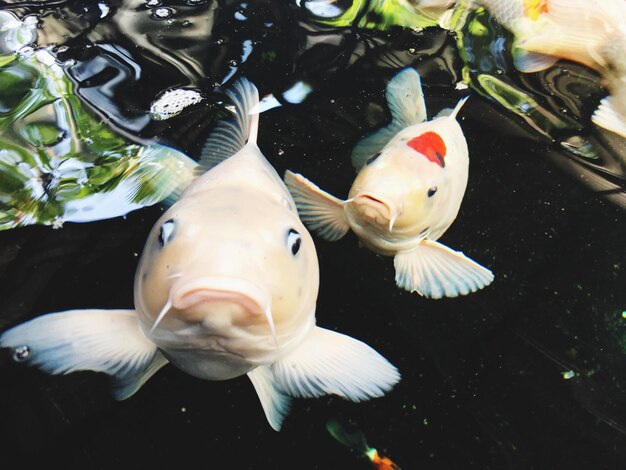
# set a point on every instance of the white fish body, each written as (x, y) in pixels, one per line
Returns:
(408, 191)
(226, 286)
(591, 32)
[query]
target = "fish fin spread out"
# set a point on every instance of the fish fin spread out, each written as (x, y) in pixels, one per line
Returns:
(435, 271)
(125, 386)
(331, 363)
(405, 99)
(230, 135)
(320, 211)
(109, 341)
(607, 117)
(275, 402)
(529, 62)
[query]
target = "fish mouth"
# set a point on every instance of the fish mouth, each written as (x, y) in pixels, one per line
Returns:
(375, 209)
(235, 296)
(248, 295)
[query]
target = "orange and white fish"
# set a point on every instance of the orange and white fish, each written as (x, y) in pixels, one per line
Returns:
(408, 191)
(226, 286)
(591, 32)
(352, 437)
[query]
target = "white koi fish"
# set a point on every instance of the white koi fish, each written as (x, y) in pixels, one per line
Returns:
(226, 286)
(411, 181)
(590, 32)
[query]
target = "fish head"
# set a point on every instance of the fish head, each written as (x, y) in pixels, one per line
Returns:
(233, 269)
(403, 188)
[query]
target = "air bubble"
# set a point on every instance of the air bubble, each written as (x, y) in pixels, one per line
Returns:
(21, 353)
(162, 13)
(154, 3)
(172, 102)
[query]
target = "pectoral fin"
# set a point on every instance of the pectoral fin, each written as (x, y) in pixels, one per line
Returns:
(607, 117)
(320, 211)
(109, 341)
(331, 363)
(434, 270)
(274, 401)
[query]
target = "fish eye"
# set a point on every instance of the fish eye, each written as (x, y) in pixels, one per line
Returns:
(372, 158)
(432, 191)
(167, 232)
(294, 240)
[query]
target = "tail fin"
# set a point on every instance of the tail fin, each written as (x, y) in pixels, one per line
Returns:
(109, 341)
(230, 135)
(405, 99)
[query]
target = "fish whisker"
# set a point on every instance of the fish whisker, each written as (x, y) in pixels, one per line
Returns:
(166, 308)
(270, 321)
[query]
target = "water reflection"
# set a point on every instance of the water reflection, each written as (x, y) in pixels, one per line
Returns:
(60, 163)
(553, 106)
(481, 375)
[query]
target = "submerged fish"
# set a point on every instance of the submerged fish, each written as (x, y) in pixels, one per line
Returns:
(411, 181)
(226, 286)
(591, 32)
(355, 439)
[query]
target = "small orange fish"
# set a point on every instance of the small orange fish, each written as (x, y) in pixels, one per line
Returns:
(381, 463)
(355, 439)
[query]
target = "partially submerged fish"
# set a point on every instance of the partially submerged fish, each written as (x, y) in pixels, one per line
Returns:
(411, 181)
(351, 436)
(226, 286)
(591, 32)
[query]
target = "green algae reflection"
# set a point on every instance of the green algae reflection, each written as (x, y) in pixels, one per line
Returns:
(59, 162)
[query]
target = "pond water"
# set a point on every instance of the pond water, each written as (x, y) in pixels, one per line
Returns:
(527, 373)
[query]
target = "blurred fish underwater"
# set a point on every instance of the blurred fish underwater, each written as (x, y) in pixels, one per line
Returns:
(352, 437)
(104, 108)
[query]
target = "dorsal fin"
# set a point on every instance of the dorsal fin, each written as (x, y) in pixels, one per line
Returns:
(405, 99)
(230, 135)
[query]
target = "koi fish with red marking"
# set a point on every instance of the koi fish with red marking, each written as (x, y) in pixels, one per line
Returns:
(411, 181)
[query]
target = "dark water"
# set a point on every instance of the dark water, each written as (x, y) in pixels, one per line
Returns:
(528, 373)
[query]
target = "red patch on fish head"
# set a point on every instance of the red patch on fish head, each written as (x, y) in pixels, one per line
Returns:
(431, 145)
